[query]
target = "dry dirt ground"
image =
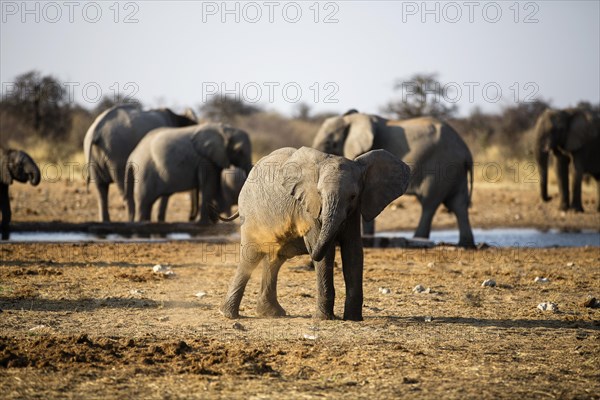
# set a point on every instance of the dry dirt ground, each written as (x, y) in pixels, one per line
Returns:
(91, 320)
(94, 321)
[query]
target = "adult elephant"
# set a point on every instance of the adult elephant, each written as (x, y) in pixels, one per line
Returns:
(112, 137)
(171, 160)
(573, 136)
(15, 165)
(439, 160)
(305, 201)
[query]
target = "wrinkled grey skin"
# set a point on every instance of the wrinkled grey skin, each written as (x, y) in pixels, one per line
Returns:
(112, 137)
(171, 160)
(571, 135)
(305, 201)
(439, 160)
(239, 151)
(15, 165)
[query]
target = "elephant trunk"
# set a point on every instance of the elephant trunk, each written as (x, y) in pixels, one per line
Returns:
(331, 221)
(541, 155)
(33, 172)
(247, 166)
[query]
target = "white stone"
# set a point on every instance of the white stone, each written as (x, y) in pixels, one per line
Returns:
(548, 306)
(489, 283)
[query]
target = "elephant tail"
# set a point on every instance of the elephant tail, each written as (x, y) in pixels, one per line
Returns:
(470, 172)
(129, 183)
(231, 218)
(89, 166)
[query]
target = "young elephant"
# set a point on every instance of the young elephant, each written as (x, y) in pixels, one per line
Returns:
(305, 201)
(19, 166)
(171, 160)
(232, 181)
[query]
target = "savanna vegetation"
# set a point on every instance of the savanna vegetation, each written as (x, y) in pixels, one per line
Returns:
(37, 113)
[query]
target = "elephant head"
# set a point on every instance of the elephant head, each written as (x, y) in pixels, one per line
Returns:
(239, 148)
(562, 132)
(210, 144)
(331, 188)
(18, 165)
(349, 135)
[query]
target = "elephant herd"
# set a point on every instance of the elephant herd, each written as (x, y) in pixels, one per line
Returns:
(152, 154)
(307, 200)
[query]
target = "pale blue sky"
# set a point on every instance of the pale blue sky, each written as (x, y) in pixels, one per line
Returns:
(177, 59)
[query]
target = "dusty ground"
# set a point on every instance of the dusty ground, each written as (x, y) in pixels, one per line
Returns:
(91, 320)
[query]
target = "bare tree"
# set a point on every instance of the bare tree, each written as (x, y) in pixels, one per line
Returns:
(109, 101)
(422, 94)
(225, 108)
(302, 111)
(521, 117)
(41, 102)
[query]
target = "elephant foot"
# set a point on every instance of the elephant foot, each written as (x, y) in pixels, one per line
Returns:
(324, 316)
(265, 309)
(563, 207)
(205, 222)
(577, 208)
(229, 312)
(467, 244)
(353, 316)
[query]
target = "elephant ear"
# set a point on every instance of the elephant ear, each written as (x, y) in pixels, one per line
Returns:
(580, 132)
(5, 175)
(210, 143)
(386, 178)
(360, 135)
(300, 177)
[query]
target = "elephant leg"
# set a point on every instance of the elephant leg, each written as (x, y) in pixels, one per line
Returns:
(576, 187)
(209, 182)
(267, 305)
(162, 208)
(459, 205)
(428, 209)
(598, 197)
(368, 227)
(562, 175)
(6, 212)
(194, 204)
(102, 189)
(325, 288)
(352, 265)
(231, 305)
(144, 210)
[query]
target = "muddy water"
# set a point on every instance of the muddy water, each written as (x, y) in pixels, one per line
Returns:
(516, 237)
